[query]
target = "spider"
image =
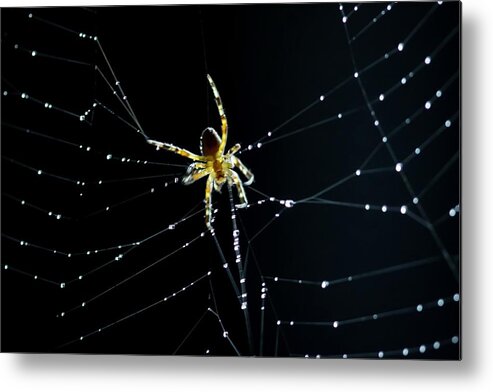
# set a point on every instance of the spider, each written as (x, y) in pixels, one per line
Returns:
(214, 162)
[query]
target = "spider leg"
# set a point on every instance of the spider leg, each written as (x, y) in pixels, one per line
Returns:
(176, 150)
(233, 150)
(208, 203)
(235, 178)
(220, 108)
(246, 172)
(195, 172)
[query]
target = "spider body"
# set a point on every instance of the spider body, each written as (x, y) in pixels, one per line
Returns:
(213, 162)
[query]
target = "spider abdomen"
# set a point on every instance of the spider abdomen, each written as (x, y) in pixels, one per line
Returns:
(209, 142)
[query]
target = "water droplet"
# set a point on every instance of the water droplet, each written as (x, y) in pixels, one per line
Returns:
(377, 123)
(448, 123)
(417, 151)
(367, 207)
(403, 80)
(405, 352)
(438, 93)
(171, 227)
(422, 348)
(358, 172)
(384, 208)
(381, 97)
(225, 334)
(62, 285)
(415, 200)
(356, 74)
(436, 345)
(335, 324)
(259, 145)
(455, 340)
(428, 60)
(400, 47)
(419, 308)
(322, 98)
(427, 105)
(289, 203)
(344, 19)
(403, 210)
(325, 284)
(398, 167)
(40, 172)
(380, 354)
(384, 139)
(440, 302)
(82, 118)
(456, 297)
(452, 212)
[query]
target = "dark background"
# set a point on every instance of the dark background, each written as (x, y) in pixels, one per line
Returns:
(268, 61)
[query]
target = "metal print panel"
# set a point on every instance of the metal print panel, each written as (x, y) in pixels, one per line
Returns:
(223, 180)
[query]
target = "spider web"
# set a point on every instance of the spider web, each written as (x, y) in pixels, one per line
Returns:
(348, 115)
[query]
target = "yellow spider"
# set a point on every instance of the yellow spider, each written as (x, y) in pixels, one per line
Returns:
(213, 162)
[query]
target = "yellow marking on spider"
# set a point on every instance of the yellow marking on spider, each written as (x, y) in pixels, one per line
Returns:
(213, 163)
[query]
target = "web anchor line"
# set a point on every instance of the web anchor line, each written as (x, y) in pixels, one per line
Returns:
(241, 272)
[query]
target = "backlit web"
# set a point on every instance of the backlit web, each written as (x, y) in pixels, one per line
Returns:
(348, 115)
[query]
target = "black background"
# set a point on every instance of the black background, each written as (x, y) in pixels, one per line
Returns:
(268, 63)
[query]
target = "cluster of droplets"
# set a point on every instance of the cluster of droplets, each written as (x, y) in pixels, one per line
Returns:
(440, 303)
(421, 349)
